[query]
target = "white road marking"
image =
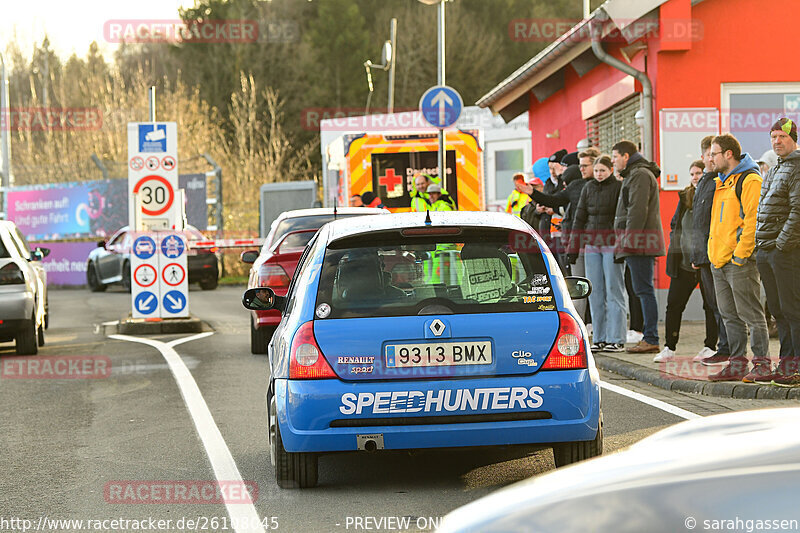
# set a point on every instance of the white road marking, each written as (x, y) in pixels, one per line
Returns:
(244, 516)
(664, 406)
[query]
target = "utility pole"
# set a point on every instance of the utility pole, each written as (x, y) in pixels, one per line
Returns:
(6, 179)
(441, 82)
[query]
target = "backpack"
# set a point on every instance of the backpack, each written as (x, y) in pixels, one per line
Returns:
(738, 190)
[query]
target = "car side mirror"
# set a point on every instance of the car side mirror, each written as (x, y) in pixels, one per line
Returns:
(249, 256)
(263, 299)
(577, 287)
(36, 255)
(101, 244)
(44, 251)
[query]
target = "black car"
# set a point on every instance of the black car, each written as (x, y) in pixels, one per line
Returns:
(110, 261)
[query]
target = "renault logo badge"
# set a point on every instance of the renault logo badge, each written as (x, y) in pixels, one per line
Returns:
(437, 327)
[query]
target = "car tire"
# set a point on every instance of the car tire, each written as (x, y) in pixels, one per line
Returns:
(259, 338)
(568, 453)
(209, 284)
(40, 335)
(92, 280)
(292, 470)
(126, 276)
(26, 338)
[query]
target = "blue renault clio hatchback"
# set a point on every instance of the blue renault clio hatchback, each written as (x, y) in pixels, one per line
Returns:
(414, 330)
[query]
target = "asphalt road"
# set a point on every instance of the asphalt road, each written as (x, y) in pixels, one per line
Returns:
(67, 444)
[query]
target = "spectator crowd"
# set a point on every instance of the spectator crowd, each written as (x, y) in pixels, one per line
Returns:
(734, 232)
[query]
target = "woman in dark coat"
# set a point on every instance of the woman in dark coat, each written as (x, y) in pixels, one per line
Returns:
(593, 232)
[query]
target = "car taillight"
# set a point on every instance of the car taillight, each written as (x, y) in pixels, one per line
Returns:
(11, 275)
(273, 276)
(569, 350)
(307, 361)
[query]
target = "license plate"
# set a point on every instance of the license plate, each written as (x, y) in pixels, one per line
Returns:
(439, 354)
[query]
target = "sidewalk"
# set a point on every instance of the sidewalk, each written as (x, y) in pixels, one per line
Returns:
(685, 375)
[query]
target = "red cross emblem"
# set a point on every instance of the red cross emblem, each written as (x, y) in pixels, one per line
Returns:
(390, 180)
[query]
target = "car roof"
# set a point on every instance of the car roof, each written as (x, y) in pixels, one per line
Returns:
(329, 211)
(353, 226)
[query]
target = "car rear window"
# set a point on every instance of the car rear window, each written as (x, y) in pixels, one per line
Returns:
(476, 270)
(308, 222)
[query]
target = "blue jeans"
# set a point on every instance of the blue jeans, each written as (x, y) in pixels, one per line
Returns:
(642, 268)
(607, 299)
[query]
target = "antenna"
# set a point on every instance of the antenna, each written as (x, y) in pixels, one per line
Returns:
(428, 217)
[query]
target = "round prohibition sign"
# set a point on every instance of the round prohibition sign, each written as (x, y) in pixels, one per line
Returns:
(173, 274)
(143, 273)
(157, 194)
(137, 163)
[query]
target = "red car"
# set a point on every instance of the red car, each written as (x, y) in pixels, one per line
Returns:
(274, 266)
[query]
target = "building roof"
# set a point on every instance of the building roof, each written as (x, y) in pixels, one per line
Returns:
(542, 74)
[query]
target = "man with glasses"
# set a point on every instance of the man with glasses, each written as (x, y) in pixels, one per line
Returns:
(701, 218)
(778, 244)
(731, 243)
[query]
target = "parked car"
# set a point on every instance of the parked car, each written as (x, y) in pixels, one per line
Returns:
(24, 309)
(402, 333)
(110, 262)
(274, 266)
(730, 472)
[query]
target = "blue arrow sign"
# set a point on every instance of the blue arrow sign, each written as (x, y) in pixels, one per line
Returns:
(441, 106)
(145, 302)
(144, 247)
(172, 246)
(174, 301)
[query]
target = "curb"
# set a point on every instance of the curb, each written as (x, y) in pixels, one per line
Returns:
(166, 326)
(723, 389)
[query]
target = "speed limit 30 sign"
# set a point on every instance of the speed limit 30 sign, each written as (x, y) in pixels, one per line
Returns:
(153, 175)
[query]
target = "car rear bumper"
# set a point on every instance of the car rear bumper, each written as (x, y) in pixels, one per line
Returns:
(202, 267)
(330, 415)
(16, 305)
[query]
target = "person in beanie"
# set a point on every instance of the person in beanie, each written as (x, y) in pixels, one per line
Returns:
(529, 213)
(640, 238)
(369, 199)
(435, 197)
(731, 243)
(683, 276)
(778, 249)
(701, 221)
(551, 186)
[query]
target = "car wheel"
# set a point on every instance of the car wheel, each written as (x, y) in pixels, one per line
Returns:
(40, 335)
(26, 338)
(259, 338)
(209, 284)
(126, 276)
(573, 452)
(292, 470)
(92, 280)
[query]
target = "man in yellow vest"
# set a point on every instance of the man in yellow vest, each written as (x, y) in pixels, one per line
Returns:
(435, 198)
(419, 194)
(517, 199)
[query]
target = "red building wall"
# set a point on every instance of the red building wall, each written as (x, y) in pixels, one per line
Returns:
(735, 41)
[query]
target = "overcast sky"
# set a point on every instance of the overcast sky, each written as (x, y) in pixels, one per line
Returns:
(73, 25)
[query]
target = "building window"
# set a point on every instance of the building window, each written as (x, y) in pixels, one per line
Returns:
(606, 129)
(506, 164)
(750, 109)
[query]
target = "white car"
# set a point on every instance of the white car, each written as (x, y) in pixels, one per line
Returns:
(736, 471)
(23, 291)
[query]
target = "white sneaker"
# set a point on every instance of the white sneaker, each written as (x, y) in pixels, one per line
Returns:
(664, 355)
(702, 354)
(633, 337)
